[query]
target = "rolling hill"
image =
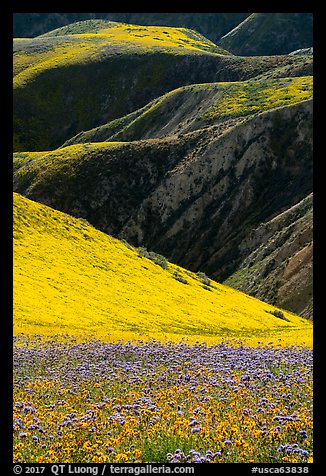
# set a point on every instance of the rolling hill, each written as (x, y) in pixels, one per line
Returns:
(196, 197)
(78, 78)
(197, 106)
(270, 34)
(211, 25)
(279, 260)
(70, 278)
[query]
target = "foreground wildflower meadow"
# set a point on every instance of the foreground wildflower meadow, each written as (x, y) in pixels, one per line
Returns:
(160, 402)
(121, 356)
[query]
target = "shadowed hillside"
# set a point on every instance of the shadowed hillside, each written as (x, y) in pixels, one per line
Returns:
(195, 198)
(211, 25)
(279, 258)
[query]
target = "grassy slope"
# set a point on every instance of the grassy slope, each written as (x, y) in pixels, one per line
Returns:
(192, 107)
(54, 77)
(270, 34)
(79, 81)
(99, 166)
(71, 278)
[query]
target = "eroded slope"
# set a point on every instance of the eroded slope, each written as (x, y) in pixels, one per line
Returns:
(72, 279)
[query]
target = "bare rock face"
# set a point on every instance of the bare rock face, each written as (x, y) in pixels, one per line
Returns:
(234, 203)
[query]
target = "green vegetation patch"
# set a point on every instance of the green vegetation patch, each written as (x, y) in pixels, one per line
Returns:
(249, 97)
(155, 257)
